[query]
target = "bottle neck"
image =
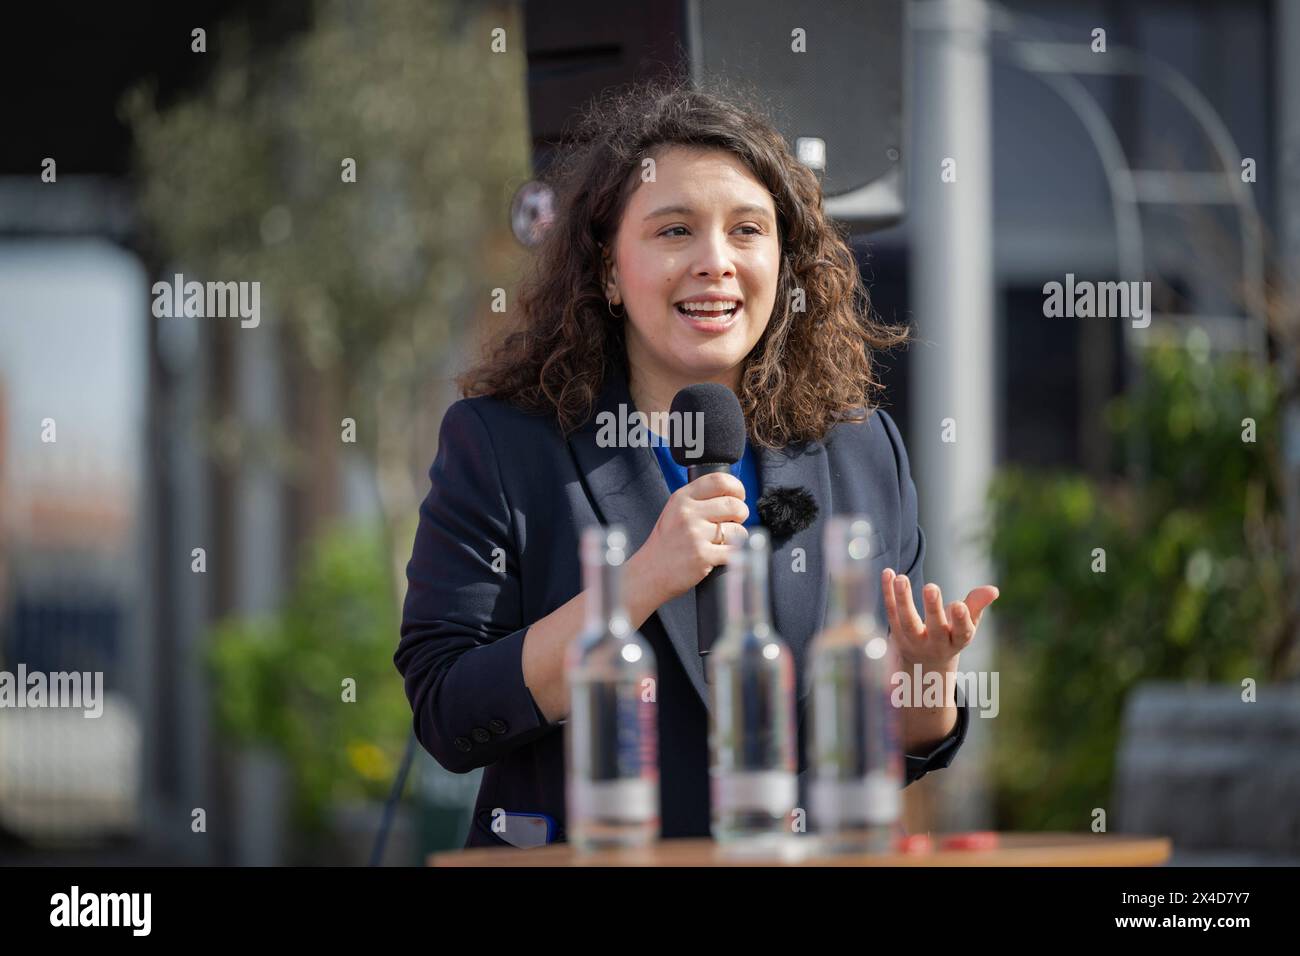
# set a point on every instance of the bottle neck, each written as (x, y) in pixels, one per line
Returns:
(747, 599)
(851, 598)
(603, 584)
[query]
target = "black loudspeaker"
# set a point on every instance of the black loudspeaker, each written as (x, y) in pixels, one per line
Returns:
(833, 73)
(829, 72)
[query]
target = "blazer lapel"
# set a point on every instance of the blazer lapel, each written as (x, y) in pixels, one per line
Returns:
(798, 582)
(628, 488)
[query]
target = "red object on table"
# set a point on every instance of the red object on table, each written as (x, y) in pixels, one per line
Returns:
(976, 840)
(914, 843)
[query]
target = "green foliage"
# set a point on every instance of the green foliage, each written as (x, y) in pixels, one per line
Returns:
(278, 679)
(1193, 588)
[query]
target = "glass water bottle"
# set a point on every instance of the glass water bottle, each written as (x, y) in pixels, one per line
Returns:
(611, 740)
(752, 744)
(855, 761)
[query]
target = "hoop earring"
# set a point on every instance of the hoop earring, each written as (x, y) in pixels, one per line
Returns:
(609, 305)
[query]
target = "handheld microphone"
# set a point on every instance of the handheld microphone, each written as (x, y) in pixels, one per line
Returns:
(722, 431)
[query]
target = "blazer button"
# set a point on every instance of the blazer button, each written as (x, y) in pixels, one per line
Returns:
(463, 744)
(498, 726)
(480, 735)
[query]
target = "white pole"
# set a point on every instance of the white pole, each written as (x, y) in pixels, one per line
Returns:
(951, 434)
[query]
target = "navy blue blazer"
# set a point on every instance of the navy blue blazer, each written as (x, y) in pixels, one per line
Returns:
(505, 479)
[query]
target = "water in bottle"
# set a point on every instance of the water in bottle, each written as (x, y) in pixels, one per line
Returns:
(752, 745)
(855, 761)
(611, 740)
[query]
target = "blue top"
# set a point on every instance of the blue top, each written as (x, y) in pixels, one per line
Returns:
(746, 470)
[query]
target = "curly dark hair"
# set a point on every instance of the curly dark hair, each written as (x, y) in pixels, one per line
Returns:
(808, 370)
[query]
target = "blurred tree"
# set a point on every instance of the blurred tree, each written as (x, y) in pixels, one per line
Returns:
(369, 289)
(371, 282)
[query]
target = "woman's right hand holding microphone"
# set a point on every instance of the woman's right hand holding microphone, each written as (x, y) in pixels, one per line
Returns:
(683, 547)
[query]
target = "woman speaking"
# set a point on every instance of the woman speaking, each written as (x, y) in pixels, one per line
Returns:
(688, 245)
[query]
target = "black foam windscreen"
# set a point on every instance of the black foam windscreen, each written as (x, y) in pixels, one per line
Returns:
(786, 511)
(721, 424)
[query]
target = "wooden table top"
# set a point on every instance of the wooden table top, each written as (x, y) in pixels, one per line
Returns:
(1013, 849)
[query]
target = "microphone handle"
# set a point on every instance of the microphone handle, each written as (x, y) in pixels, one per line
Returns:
(709, 593)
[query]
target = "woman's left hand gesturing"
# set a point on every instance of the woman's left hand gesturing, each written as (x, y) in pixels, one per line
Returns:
(935, 643)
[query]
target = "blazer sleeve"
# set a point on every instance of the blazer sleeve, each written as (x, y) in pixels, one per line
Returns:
(912, 556)
(461, 646)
